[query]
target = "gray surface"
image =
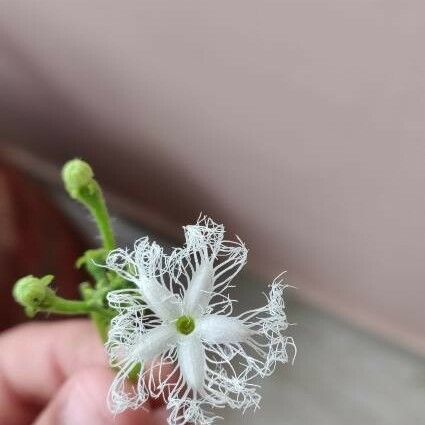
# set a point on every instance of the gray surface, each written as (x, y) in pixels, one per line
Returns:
(341, 376)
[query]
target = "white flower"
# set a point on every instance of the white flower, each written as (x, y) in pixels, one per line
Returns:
(176, 326)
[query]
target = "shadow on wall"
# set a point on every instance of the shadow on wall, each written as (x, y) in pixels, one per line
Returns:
(49, 125)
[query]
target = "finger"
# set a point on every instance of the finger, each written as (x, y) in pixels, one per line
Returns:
(35, 359)
(81, 401)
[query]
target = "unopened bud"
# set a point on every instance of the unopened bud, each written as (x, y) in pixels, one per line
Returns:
(77, 175)
(33, 293)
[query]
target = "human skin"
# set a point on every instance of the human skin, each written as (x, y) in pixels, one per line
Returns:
(57, 374)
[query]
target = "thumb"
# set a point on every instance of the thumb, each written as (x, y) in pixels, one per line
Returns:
(82, 401)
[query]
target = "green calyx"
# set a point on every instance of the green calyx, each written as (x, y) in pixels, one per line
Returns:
(185, 325)
(33, 293)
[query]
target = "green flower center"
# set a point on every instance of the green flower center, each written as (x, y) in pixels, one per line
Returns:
(185, 325)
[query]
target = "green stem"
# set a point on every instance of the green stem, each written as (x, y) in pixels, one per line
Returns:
(81, 185)
(101, 321)
(102, 325)
(134, 373)
(63, 306)
(95, 203)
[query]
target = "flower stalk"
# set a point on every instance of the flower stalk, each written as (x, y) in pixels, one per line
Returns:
(35, 294)
(79, 181)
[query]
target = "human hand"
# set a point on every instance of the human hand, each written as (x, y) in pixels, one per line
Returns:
(57, 374)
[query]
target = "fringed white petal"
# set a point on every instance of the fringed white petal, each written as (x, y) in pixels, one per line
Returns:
(217, 329)
(204, 237)
(209, 263)
(156, 341)
(254, 341)
(127, 353)
(124, 395)
(267, 325)
(232, 257)
(128, 326)
(189, 411)
(200, 289)
(191, 359)
(146, 267)
(162, 301)
(131, 265)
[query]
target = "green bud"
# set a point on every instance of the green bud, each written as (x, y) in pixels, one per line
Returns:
(81, 185)
(77, 175)
(33, 293)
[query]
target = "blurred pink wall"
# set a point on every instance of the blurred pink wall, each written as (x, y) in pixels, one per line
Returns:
(299, 123)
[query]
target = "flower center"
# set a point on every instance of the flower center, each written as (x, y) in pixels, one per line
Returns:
(185, 325)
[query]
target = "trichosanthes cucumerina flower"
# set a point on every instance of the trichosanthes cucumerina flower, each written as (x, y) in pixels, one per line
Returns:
(177, 327)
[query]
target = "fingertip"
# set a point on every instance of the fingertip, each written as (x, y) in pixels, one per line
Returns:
(85, 398)
(82, 400)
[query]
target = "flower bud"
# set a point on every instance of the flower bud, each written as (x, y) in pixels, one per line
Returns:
(77, 175)
(33, 293)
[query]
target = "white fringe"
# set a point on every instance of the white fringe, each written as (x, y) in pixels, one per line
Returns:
(194, 281)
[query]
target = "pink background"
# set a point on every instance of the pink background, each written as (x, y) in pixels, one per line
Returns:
(298, 123)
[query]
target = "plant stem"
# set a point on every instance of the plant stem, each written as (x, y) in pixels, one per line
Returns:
(95, 202)
(101, 321)
(81, 185)
(102, 325)
(63, 306)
